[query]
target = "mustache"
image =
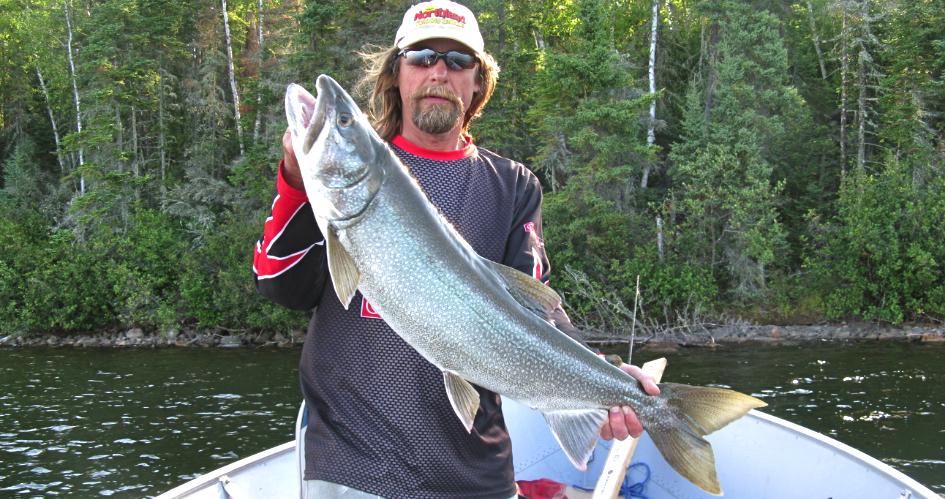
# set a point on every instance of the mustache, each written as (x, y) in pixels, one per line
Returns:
(441, 92)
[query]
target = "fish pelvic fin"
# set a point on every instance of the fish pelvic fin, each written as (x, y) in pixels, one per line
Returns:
(463, 397)
(345, 275)
(576, 432)
(696, 411)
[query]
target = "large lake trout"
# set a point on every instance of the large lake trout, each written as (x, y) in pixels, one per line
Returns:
(495, 327)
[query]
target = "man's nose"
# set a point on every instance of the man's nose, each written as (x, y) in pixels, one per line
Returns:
(439, 70)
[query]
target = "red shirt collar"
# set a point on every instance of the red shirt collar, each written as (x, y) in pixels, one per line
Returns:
(416, 150)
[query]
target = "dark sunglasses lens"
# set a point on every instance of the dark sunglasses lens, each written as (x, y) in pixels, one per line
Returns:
(459, 60)
(425, 57)
(428, 57)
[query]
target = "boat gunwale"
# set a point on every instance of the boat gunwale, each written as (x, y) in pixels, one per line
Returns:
(213, 476)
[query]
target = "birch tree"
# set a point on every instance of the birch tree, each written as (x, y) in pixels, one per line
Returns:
(816, 38)
(232, 73)
(651, 128)
(52, 119)
(75, 94)
(260, 56)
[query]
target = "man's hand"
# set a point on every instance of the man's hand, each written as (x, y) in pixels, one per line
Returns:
(623, 421)
(290, 164)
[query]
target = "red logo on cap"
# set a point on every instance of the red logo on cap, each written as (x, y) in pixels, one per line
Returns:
(441, 13)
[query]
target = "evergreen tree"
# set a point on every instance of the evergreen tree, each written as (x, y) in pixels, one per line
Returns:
(734, 134)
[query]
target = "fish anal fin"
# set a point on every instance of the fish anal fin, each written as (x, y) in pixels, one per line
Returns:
(345, 275)
(463, 397)
(577, 432)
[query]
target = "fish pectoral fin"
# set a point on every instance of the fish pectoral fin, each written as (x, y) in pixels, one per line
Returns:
(345, 276)
(576, 432)
(528, 290)
(463, 397)
(538, 298)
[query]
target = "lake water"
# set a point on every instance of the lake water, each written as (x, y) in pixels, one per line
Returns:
(134, 423)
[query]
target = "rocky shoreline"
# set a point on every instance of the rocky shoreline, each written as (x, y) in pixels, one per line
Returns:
(138, 338)
(787, 335)
(664, 340)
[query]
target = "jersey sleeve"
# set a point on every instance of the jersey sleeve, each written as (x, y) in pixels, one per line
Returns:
(525, 248)
(289, 264)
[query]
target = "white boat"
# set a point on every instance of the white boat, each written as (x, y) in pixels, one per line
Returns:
(758, 456)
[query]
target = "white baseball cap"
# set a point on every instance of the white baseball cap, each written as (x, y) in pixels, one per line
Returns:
(439, 19)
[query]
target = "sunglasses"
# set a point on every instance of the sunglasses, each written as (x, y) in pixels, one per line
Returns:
(427, 57)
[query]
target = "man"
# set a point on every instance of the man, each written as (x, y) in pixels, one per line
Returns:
(380, 422)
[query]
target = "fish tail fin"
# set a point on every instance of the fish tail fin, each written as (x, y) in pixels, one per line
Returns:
(696, 411)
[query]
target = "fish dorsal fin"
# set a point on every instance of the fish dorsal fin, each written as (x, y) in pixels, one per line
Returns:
(345, 276)
(463, 397)
(577, 432)
(541, 300)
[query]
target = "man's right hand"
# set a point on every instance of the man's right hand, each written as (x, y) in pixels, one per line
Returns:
(290, 164)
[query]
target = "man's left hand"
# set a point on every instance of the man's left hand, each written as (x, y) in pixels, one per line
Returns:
(623, 421)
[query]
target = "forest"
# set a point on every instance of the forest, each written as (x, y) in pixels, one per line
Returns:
(771, 161)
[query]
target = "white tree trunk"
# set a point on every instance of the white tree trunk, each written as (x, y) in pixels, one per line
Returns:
(659, 237)
(259, 105)
(134, 143)
(162, 140)
(651, 129)
(539, 40)
(844, 70)
(75, 93)
(863, 58)
(52, 120)
(816, 37)
(120, 140)
(229, 62)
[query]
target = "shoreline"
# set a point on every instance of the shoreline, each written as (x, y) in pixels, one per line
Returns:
(668, 340)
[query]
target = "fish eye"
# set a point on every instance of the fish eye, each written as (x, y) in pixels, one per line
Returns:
(345, 120)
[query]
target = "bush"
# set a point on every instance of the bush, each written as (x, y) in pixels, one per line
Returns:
(882, 259)
(216, 286)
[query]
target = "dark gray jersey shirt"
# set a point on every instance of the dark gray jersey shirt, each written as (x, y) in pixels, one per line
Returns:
(380, 420)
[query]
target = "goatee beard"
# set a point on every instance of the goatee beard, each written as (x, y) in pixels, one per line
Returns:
(436, 118)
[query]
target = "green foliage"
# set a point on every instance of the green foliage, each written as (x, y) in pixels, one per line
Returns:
(589, 234)
(216, 286)
(745, 173)
(67, 289)
(734, 134)
(883, 259)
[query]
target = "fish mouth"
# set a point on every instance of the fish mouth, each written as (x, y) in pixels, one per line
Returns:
(325, 94)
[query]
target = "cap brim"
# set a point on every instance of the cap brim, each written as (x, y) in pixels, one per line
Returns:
(434, 32)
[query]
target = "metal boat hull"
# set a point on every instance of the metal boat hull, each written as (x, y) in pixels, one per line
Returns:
(758, 456)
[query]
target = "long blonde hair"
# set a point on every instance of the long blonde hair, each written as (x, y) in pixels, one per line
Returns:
(384, 108)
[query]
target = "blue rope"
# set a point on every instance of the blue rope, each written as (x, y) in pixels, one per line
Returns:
(636, 489)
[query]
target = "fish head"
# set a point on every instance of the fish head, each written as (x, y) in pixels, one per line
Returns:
(337, 150)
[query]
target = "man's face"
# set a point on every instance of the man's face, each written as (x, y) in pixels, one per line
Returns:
(434, 99)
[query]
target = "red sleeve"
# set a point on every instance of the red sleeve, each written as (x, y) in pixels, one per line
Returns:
(275, 254)
(288, 261)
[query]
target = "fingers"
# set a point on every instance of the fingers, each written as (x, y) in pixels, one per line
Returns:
(605, 431)
(649, 385)
(634, 427)
(618, 425)
(290, 164)
(621, 423)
